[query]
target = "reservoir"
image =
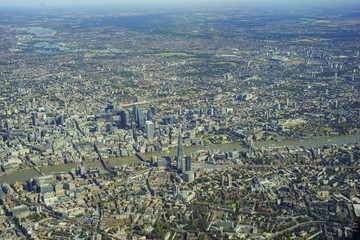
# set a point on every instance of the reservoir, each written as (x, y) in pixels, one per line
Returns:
(41, 32)
(49, 48)
(320, 141)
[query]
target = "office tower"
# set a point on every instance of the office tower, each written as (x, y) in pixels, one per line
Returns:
(109, 128)
(150, 116)
(124, 119)
(180, 153)
(134, 113)
(153, 111)
(183, 164)
(33, 120)
(62, 119)
(140, 117)
(188, 163)
(176, 190)
(149, 128)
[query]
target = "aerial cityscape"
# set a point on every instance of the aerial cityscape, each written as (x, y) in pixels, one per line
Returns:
(223, 123)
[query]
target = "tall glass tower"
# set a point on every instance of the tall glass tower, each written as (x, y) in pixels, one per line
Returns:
(149, 127)
(140, 117)
(180, 153)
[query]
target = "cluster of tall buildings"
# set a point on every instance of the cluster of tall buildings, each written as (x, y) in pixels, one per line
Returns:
(127, 118)
(144, 122)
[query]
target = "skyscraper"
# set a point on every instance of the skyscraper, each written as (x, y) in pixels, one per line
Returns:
(188, 163)
(134, 113)
(140, 117)
(180, 153)
(149, 127)
(124, 116)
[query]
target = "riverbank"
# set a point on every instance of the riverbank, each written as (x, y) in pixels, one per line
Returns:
(312, 141)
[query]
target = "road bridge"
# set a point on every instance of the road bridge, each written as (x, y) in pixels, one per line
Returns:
(142, 157)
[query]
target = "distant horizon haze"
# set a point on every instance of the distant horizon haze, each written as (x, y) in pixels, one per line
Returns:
(41, 4)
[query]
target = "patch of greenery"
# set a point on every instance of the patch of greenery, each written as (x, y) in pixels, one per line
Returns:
(160, 230)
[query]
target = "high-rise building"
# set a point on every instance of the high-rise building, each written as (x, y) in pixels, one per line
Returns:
(180, 153)
(140, 117)
(124, 118)
(134, 113)
(109, 128)
(33, 120)
(176, 190)
(183, 164)
(69, 124)
(153, 111)
(62, 118)
(7, 125)
(188, 163)
(149, 128)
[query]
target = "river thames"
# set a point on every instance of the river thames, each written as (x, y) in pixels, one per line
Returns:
(23, 175)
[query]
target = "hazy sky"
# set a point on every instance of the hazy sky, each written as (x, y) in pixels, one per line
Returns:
(169, 3)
